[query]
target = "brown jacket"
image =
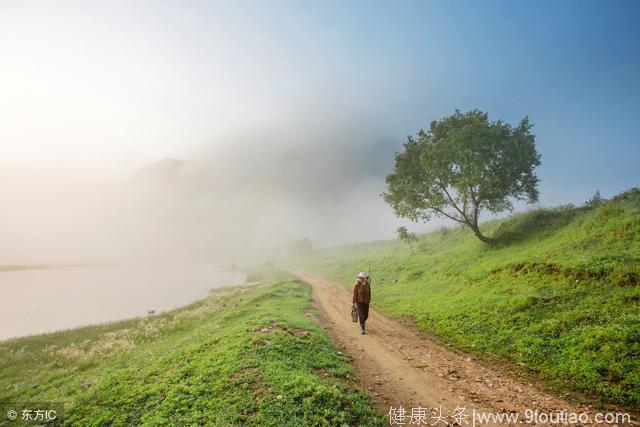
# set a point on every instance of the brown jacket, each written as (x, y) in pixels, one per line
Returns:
(362, 293)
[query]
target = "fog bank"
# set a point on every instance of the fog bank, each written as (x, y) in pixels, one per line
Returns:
(243, 193)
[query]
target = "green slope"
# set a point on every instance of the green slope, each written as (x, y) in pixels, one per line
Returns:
(241, 356)
(560, 301)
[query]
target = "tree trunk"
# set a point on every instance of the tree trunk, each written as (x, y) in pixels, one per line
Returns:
(482, 237)
(472, 222)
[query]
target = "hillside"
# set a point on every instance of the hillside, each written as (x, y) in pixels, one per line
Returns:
(558, 301)
(245, 355)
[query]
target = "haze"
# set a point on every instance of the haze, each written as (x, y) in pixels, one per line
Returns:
(211, 130)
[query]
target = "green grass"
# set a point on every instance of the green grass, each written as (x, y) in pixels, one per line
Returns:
(245, 355)
(558, 300)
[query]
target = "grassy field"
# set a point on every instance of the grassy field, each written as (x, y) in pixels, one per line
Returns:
(243, 355)
(558, 300)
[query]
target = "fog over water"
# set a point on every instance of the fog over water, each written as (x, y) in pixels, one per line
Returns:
(159, 223)
(45, 300)
(243, 195)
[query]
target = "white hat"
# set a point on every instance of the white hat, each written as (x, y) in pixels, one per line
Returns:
(362, 274)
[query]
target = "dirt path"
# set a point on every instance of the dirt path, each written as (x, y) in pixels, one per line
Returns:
(402, 367)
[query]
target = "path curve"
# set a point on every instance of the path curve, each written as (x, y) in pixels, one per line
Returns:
(401, 366)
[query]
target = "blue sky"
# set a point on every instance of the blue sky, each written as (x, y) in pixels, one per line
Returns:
(572, 66)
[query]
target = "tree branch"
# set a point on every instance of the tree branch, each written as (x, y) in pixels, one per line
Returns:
(444, 188)
(448, 216)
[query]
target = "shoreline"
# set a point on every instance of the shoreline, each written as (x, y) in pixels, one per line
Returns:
(42, 301)
(115, 322)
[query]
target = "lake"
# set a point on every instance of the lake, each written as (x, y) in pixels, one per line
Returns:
(42, 300)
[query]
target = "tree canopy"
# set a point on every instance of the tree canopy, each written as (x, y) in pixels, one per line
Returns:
(462, 165)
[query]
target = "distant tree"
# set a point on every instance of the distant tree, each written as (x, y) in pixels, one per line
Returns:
(462, 165)
(405, 236)
(305, 246)
(595, 200)
(300, 247)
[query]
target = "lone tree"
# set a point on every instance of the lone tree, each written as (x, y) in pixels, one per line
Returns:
(405, 236)
(463, 164)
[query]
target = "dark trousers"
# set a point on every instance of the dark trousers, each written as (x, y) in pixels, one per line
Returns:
(363, 313)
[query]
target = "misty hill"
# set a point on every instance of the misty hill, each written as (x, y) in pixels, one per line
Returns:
(560, 301)
(248, 195)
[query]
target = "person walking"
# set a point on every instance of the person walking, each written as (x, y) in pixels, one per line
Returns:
(361, 298)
